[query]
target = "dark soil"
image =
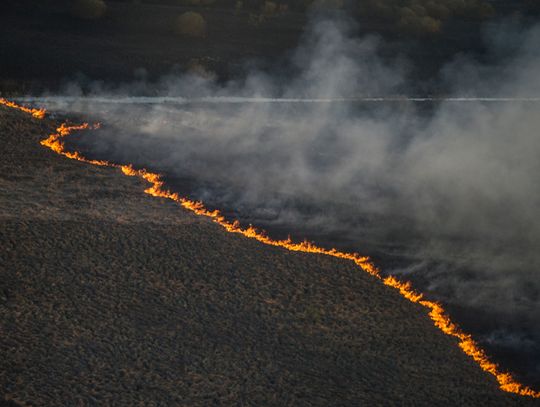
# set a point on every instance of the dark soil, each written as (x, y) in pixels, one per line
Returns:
(109, 296)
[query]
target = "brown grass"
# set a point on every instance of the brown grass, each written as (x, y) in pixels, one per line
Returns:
(191, 24)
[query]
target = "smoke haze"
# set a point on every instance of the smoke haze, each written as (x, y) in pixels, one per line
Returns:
(446, 193)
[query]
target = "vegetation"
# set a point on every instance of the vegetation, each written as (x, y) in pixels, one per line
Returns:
(407, 16)
(111, 297)
(191, 24)
(424, 16)
(415, 17)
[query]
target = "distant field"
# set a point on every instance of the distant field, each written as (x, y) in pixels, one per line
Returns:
(43, 46)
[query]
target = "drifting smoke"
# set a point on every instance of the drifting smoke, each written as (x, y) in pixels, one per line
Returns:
(446, 192)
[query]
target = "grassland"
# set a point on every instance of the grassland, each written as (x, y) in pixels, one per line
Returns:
(43, 46)
(109, 296)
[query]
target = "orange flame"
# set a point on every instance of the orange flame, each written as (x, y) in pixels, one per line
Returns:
(37, 113)
(436, 312)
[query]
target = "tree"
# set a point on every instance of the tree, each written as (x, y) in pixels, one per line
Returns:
(191, 24)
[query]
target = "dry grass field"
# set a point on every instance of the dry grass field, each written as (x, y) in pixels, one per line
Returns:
(111, 297)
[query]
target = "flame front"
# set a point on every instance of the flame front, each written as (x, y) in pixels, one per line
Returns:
(436, 312)
(37, 113)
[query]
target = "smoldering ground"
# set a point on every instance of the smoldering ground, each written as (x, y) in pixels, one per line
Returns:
(444, 192)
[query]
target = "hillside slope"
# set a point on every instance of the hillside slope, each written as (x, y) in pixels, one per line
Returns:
(110, 296)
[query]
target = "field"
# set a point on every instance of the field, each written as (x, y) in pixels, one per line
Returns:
(46, 47)
(111, 297)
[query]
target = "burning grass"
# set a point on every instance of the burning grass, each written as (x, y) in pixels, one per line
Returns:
(296, 313)
(436, 311)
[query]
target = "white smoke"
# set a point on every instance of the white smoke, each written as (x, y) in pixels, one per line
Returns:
(449, 189)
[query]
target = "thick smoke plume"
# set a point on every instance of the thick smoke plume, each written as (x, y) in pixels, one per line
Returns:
(448, 190)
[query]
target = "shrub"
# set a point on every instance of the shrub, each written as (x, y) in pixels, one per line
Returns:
(269, 8)
(198, 67)
(88, 9)
(423, 15)
(191, 24)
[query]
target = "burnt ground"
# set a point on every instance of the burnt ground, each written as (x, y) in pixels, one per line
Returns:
(109, 296)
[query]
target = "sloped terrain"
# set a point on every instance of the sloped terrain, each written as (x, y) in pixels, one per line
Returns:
(109, 296)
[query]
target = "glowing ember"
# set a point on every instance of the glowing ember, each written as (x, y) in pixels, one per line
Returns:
(37, 113)
(436, 312)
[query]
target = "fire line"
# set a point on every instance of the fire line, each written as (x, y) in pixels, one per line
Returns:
(157, 188)
(37, 113)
